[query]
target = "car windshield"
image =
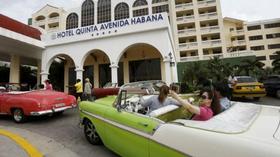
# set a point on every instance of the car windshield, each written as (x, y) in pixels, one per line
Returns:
(152, 87)
(246, 79)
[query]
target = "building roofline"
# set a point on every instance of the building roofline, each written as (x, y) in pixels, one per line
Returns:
(19, 27)
(259, 22)
(47, 6)
(233, 20)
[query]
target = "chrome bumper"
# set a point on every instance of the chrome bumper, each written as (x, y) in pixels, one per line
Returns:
(40, 113)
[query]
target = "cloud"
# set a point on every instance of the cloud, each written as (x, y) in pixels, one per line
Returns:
(251, 10)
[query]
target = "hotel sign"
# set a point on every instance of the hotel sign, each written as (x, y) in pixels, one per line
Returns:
(108, 26)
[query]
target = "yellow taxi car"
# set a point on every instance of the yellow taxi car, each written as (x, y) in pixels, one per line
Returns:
(248, 87)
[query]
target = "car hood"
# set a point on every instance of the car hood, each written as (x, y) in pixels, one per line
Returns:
(107, 101)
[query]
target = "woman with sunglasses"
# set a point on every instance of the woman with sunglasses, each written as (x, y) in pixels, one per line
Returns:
(208, 107)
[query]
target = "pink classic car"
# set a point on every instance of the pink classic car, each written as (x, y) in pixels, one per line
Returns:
(34, 103)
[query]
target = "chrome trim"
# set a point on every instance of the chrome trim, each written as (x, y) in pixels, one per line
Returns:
(39, 113)
(129, 129)
(3, 113)
(132, 130)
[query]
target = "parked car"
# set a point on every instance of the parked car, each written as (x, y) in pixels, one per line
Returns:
(34, 103)
(248, 87)
(108, 89)
(272, 85)
(122, 125)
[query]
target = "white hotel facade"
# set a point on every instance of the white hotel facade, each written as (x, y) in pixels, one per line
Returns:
(123, 41)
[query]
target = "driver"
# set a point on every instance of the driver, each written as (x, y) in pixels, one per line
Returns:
(160, 100)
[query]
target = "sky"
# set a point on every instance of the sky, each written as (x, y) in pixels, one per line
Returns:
(248, 10)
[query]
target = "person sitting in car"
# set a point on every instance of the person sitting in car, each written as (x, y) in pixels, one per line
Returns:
(208, 107)
(161, 100)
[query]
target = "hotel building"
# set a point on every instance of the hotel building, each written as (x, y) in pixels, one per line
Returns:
(125, 41)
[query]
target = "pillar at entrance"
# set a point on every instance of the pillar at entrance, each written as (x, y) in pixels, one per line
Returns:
(15, 69)
(79, 73)
(174, 73)
(44, 76)
(114, 73)
(168, 78)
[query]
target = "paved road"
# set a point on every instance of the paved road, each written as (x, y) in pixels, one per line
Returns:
(62, 134)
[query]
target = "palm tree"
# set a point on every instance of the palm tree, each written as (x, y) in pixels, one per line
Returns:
(193, 72)
(251, 66)
(276, 63)
(218, 69)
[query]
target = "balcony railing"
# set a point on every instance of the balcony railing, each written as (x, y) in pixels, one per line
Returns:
(188, 45)
(208, 57)
(212, 42)
(239, 42)
(239, 54)
(185, 18)
(190, 58)
(40, 22)
(212, 15)
(238, 32)
(184, 6)
(185, 32)
(54, 19)
(210, 29)
(206, 2)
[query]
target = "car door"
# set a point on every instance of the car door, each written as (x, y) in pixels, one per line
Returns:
(128, 133)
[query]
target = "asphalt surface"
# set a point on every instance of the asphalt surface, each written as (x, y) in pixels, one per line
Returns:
(56, 136)
(60, 136)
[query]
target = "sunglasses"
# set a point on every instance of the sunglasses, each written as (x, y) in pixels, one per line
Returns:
(204, 97)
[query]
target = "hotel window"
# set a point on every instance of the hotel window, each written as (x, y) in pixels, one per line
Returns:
(143, 11)
(121, 11)
(257, 48)
(251, 28)
(104, 11)
(88, 13)
(257, 37)
(271, 36)
(274, 46)
(159, 1)
(72, 21)
(160, 9)
(272, 25)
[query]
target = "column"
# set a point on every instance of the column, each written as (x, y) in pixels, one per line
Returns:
(39, 67)
(126, 71)
(114, 73)
(44, 76)
(79, 73)
(15, 69)
(167, 71)
(66, 77)
(174, 72)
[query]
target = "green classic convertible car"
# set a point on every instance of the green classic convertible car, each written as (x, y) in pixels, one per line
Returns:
(123, 125)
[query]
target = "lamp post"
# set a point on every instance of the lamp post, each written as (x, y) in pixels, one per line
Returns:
(171, 60)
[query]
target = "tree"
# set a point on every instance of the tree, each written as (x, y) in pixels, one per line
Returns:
(193, 72)
(276, 63)
(218, 69)
(251, 67)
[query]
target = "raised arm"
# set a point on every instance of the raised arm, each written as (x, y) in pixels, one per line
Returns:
(193, 109)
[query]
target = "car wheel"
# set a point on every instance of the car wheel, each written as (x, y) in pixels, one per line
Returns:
(91, 133)
(278, 93)
(18, 116)
(257, 98)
